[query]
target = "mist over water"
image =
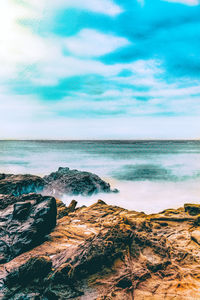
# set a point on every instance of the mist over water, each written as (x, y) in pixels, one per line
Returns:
(151, 175)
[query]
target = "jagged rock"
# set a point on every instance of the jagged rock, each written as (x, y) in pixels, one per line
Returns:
(64, 181)
(17, 185)
(25, 223)
(64, 210)
(97, 252)
(107, 252)
(74, 182)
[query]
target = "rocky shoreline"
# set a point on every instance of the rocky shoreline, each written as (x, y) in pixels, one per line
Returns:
(49, 251)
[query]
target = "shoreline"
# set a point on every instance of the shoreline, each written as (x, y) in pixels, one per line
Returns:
(49, 250)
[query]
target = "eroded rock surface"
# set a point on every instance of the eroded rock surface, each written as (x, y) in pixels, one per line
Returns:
(74, 182)
(107, 252)
(24, 223)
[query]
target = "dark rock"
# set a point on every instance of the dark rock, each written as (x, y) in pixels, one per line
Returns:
(74, 182)
(21, 210)
(124, 283)
(36, 268)
(25, 224)
(22, 296)
(192, 209)
(17, 185)
(72, 206)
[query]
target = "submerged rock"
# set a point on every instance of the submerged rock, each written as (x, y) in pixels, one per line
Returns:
(25, 223)
(74, 182)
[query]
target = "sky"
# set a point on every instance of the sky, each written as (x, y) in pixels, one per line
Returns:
(100, 69)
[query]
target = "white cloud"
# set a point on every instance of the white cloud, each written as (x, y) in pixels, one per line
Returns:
(106, 7)
(186, 2)
(93, 43)
(21, 48)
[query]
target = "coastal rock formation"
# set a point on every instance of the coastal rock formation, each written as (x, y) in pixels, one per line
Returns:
(20, 184)
(74, 182)
(107, 252)
(24, 223)
(63, 181)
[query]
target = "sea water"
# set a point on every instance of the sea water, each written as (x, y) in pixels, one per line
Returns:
(150, 175)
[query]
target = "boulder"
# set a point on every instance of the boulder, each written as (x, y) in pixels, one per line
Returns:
(74, 182)
(17, 185)
(25, 223)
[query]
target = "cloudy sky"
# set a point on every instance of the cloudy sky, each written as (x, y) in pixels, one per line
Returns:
(78, 69)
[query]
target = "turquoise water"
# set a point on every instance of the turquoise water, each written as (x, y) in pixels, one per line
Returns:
(142, 170)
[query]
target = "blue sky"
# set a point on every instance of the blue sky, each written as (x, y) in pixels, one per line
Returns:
(99, 69)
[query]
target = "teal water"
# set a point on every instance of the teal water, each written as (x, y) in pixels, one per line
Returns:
(142, 170)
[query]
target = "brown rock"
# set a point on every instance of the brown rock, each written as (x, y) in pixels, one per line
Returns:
(107, 252)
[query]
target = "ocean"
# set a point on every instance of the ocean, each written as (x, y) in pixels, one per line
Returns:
(150, 175)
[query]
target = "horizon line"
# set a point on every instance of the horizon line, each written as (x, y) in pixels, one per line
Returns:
(82, 140)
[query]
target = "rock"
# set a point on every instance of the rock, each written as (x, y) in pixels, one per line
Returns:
(64, 210)
(107, 252)
(25, 223)
(36, 268)
(96, 253)
(124, 283)
(64, 181)
(192, 209)
(17, 185)
(21, 210)
(195, 236)
(74, 182)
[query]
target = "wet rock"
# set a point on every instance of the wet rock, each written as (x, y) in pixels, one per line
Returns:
(74, 182)
(25, 223)
(17, 185)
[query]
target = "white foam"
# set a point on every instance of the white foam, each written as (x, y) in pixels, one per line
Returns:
(147, 196)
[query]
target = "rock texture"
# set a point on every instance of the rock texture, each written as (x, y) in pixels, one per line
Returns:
(20, 184)
(24, 223)
(106, 252)
(63, 181)
(74, 182)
